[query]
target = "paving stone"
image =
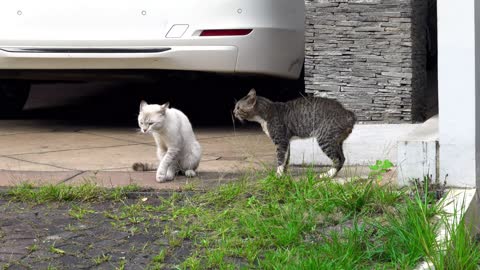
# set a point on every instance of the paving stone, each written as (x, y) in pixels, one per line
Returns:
(36, 178)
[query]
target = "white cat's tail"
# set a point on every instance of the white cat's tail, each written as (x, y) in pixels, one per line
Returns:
(141, 166)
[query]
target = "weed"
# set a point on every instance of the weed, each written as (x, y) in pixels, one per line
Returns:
(70, 227)
(160, 257)
(192, 262)
(79, 212)
(32, 248)
(55, 250)
(434, 190)
(119, 193)
(121, 265)
(101, 259)
(379, 168)
(189, 186)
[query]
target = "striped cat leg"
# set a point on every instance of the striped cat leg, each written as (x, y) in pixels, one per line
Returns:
(335, 152)
(283, 149)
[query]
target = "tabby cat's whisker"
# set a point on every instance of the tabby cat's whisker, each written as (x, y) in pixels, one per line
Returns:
(233, 122)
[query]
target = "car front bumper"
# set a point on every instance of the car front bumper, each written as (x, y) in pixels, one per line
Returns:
(271, 52)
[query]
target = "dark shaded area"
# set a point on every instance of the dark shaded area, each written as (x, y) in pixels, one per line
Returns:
(431, 93)
(424, 60)
(207, 99)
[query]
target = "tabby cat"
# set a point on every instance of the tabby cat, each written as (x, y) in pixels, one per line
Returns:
(324, 119)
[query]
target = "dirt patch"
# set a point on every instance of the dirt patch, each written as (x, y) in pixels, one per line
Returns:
(53, 235)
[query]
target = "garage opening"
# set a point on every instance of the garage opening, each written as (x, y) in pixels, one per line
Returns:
(207, 99)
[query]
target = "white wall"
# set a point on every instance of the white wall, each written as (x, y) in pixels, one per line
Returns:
(477, 92)
(456, 79)
(364, 146)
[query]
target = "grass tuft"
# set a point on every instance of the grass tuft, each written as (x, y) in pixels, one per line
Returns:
(86, 192)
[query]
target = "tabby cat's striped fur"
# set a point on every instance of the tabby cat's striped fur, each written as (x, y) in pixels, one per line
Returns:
(324, 119)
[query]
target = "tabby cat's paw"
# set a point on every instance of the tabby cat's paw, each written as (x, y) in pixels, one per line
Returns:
(280, 170)
(190, 173)
(331, 173)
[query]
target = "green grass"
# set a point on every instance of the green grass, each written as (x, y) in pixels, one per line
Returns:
(101, 259)
(460, 250)
(32, 248)
(306, 223)
(26, 192)
(55, 250)
(311, 223)
(267, 222)
(78, 212)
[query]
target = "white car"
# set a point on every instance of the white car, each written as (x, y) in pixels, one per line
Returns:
(259, 37)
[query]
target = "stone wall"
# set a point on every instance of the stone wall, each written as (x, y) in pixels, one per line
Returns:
(368, 54)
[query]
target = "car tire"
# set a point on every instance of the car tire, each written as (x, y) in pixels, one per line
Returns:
(13, 96)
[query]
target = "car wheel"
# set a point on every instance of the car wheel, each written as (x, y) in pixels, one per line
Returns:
(13, 96)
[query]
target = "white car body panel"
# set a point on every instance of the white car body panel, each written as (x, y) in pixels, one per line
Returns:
(274, 47)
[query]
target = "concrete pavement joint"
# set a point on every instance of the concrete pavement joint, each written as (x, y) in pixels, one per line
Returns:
(117, 168)
(21, 133)
(118, 139)
(73, 149)
(71, 177)
(38, 163)
(228, 136)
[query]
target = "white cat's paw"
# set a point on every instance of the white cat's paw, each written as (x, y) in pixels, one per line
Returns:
(164, 178)
(170, 175)
(190, 173)
(280, 170)
(160, 178)
(331, 173)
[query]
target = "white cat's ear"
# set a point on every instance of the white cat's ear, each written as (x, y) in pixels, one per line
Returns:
(252, 92)
(143, 103)
(164, 107)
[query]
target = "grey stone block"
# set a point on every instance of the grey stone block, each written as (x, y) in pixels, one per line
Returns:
(364, 54)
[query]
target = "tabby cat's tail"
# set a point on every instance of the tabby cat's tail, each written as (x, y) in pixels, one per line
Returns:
(141, 166)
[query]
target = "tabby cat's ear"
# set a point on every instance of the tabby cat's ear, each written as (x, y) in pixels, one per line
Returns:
(252, 97)
(143, 103)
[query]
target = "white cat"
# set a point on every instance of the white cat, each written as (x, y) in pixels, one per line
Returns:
(177, 147)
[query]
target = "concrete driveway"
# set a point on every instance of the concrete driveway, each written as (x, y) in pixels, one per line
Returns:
(82, 148)
(54, 152)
